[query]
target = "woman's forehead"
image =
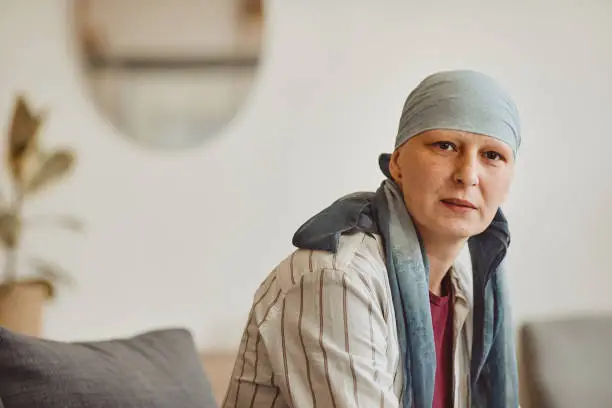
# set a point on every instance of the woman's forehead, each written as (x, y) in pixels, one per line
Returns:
(459, 134)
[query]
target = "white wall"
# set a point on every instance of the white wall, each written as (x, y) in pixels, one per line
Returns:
(183, 239)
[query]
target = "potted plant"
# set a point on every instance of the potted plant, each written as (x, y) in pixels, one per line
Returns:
(31, 170)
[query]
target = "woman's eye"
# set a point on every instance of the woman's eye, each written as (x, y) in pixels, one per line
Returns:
(493, 155)
(448, 146)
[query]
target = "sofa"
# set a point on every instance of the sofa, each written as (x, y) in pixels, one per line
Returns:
(218, 365)
(154, 369)
(566, 362)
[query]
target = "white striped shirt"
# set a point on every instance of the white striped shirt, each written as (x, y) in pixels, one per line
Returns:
(322, 333)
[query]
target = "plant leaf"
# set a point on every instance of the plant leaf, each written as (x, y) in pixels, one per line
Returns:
(54, 167)
(51, 272)
(22, 138)
(10, 226)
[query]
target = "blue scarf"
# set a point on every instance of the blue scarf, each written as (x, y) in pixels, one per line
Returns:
(493, 372)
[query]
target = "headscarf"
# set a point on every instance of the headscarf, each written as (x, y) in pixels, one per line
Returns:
(464, 100)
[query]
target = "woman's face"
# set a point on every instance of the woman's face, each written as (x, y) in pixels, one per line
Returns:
(453, 182)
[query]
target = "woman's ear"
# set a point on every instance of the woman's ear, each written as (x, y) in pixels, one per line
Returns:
(394, 167)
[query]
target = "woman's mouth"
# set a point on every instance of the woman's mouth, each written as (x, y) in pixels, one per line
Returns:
(458, 205)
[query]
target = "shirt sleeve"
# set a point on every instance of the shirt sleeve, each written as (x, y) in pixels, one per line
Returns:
(327, 343)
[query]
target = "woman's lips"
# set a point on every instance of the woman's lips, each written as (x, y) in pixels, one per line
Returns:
(458, 205)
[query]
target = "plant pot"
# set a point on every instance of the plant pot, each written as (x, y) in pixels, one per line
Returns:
(21, 306)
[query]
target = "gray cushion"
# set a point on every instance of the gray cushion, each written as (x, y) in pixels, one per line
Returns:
(568, 363)
(156, 369)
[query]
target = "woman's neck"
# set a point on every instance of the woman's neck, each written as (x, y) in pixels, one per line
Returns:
(442, 254)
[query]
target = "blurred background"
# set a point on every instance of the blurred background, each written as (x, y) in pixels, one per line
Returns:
(206, 131)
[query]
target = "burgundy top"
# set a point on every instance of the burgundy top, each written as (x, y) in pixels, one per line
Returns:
(442, 319)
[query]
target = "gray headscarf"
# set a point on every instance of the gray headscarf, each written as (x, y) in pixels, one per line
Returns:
(463, 100)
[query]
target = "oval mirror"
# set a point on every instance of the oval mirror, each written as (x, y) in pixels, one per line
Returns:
(169, 73)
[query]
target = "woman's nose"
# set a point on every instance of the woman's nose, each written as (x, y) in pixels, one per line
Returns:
(466, 171)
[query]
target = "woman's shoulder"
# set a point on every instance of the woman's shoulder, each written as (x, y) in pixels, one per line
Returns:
(358, 263)
(357, 254)
(358, 266)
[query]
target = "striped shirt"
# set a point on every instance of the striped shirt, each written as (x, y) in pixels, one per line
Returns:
(322, 333)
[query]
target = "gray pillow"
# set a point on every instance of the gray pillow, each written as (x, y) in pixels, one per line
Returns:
(156, 369)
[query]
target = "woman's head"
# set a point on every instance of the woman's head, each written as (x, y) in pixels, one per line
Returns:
(455, 152)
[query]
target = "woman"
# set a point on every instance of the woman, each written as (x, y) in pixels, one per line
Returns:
(373, 309)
